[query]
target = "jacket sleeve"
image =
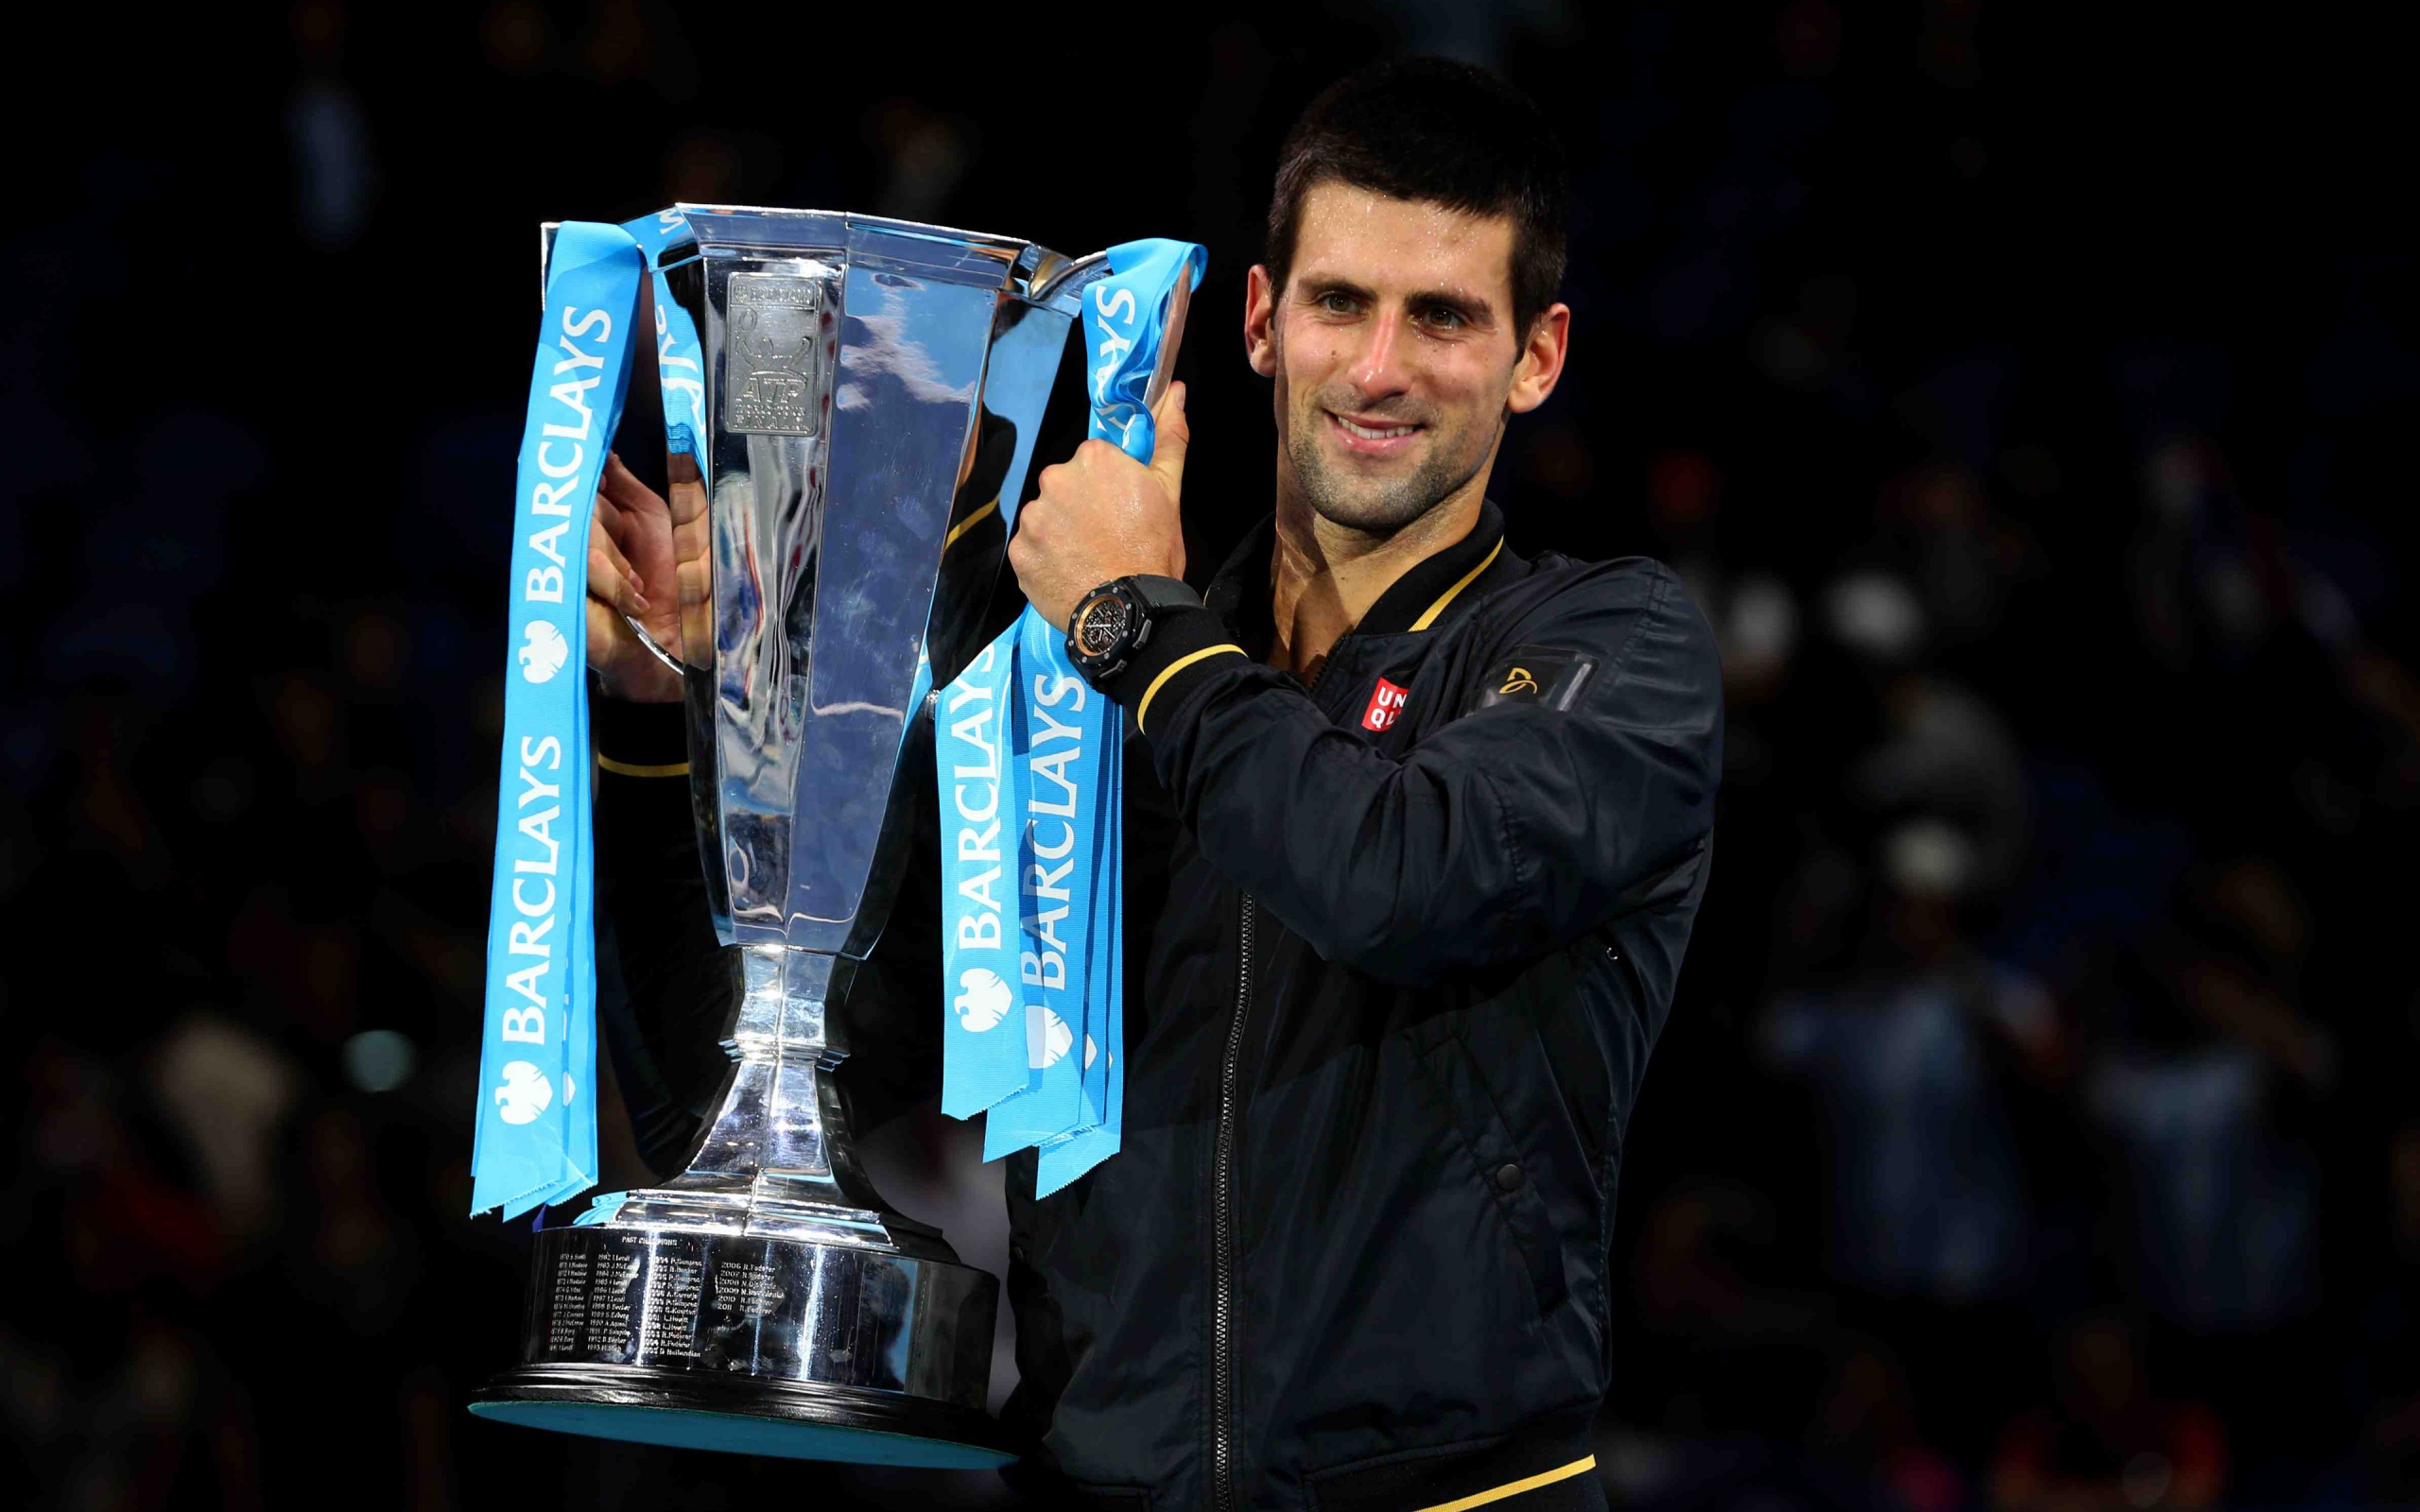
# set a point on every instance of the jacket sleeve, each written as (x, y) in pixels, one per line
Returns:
(1505, 833)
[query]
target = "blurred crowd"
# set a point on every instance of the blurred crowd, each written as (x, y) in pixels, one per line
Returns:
(2062, 1123)
(2035, 1126)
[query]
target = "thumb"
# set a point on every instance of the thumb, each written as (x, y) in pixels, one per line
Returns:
(1170, 436)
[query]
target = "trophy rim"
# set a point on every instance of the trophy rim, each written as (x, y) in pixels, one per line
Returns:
(786, 1419)
(1038, 274)
(861, 218)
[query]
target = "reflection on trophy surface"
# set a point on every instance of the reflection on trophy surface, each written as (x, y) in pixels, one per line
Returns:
(871, 386)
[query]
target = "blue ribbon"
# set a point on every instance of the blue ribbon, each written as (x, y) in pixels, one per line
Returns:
(1037, 1043)
(681, 368)
(1062, 741)
(536, 1136)
(535, 1140)
(983, 1051)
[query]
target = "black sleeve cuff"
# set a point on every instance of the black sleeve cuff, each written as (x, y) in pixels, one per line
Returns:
(1187, 648)
(638, 739)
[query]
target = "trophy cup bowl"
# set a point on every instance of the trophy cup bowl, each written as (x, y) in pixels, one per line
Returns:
(869, 388)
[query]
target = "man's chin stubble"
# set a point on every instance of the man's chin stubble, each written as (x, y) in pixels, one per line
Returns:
(1381, 509)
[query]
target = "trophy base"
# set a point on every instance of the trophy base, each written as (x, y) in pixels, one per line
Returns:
(647, 1328)
(781, 1420)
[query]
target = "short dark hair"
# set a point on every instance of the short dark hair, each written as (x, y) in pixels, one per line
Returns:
(1449, 133)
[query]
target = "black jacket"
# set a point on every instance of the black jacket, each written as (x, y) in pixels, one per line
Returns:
(1416, 932)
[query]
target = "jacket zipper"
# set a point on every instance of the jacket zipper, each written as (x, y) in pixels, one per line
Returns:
(1222, 1242)
(1223, 1217)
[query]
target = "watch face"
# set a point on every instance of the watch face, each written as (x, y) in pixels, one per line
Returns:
(1101, 624)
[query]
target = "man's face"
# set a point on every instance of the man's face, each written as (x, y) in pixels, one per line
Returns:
(1394, 353)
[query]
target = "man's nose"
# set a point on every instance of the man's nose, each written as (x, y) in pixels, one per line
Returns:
(1378, 370)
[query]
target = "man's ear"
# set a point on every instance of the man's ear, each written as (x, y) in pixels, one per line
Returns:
(1541, 365)
(1260, 313)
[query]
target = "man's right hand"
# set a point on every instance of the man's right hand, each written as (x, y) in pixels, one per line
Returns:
(646, 559)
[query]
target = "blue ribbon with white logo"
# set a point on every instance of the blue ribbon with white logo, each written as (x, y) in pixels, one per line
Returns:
(1035, 1035)
(983, 1057)
(1062, 741)
(535, 1137)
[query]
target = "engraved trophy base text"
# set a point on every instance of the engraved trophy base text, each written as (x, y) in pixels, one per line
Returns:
(759, 1344)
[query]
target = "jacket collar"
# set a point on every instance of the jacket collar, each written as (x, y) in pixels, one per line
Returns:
(1421, 600)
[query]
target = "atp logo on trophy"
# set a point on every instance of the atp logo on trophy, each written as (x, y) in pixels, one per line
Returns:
(772, 356)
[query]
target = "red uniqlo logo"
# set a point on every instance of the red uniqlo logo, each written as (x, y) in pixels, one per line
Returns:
(1386, 702)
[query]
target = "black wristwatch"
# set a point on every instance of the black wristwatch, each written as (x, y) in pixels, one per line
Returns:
(1113, 621)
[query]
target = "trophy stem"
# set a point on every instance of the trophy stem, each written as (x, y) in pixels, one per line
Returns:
(776, 1157)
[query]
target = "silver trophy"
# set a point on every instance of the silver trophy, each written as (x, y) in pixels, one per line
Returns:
(870, 385)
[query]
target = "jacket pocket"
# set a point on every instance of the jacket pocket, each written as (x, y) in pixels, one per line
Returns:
(1503, 1181)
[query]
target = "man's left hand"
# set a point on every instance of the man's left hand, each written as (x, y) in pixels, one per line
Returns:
(1102, 515)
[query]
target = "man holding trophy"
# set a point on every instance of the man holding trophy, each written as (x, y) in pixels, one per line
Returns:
(1419, 830)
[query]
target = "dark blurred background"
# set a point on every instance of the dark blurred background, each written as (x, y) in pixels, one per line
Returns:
(2028, 398)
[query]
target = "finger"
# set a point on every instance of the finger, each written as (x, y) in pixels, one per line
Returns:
(696, 615)
(687, 525)
(618, 528)
(624, 528)
(611, 579)
(689, 545)
(688, 503)
(609, 636)
(623, 486)
(1170, 437)
(601, 539)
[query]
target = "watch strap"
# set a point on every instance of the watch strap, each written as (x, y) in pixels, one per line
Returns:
(1159, 594)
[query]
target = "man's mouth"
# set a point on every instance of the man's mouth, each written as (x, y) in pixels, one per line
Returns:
(1371, 438)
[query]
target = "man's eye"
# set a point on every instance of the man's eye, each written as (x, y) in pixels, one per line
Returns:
(1446, 319)
(1337, 303)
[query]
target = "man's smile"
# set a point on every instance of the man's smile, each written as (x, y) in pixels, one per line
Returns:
(1372, 437)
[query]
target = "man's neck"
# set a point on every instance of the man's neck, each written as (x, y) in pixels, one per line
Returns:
(1324, 576)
